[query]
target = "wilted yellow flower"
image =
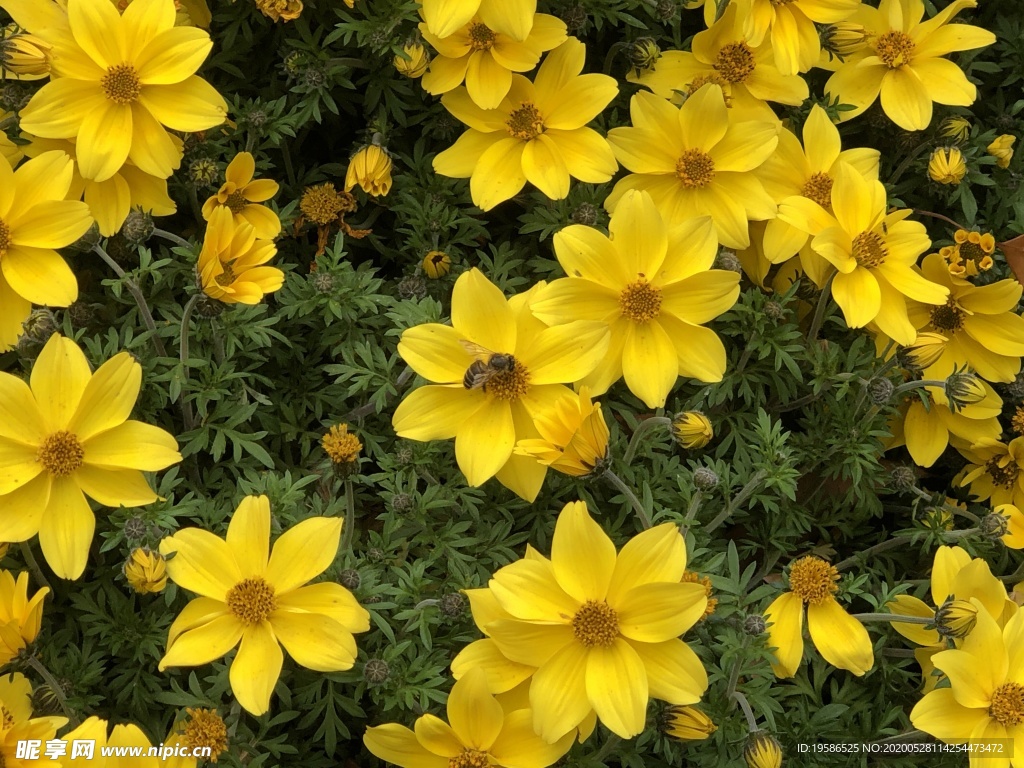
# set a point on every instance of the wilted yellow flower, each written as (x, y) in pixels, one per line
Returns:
(970, 254)
(964, 388)
(1002, 149)
(146, 571)
(324, 206)
(23, 56)
(341, 445)
(437, 264)
(947, 166)
(955, 127)
(242, 194)
(280, 10)
(200, 727)
(370, 168)
(415, 61)
(20, 617)
(692, 430)
(762, 751)
(232, 264)
(574, 436)
(843, 40)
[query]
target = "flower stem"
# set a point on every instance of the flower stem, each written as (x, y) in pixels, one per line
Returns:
(173, 238)
(186, 405)
(642, 429)
(918, 384)
(747, 711)
(54, 686)
(140, 300)
(350, 516)
(914, 735)
(819, 311)
(862, 617)
(892, 543)
(615, 480)
(606, 748)
(745, 493)
(33, 565)
(691, 511)
(919, 212)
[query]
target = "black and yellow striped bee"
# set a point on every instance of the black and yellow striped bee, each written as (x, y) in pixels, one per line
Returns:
(482, 371)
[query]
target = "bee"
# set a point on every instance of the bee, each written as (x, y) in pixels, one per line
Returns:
(482, 371)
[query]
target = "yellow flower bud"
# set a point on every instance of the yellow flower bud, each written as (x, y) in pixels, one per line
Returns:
(762, 751)
(947, 166)
(964, 388)
(24, 56)
(370, 168)
(843, 39)
(573, 436)
(146, 571)
(437, 264)
(1002, 149)
(692, 430)
(956, 618)
(416, 64)
(688, 724)
(925, 351)
(20, 616)
(956, 128)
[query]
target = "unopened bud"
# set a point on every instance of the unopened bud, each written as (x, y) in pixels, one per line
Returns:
(902, 479)
(956, 618)
(924, 352)
(762, 751)
(376, 672)
(692, 430)
(688, 724)
(880, 390)
(704, 478)
(350, 578)
(994, 525)
(755, 624)
(963, 388)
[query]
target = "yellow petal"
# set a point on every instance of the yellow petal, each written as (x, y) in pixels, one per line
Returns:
(50, 224)
(544, 167)
(104, 139)
(172, 56)
(60, 108)
(152, 148)
(577, 102)
(199, 611)
(947, 563)
(203, 563)
(107, 402)
(840, 639)
(59, 379)
(39, 275)
(703, 297)
(586, 153)
(24, 509)
(674, 672)
(528, 589)
(925, 434)
(905, 99)
(114, 487)
(980, 666)
(249, 535)
(20, 419)
(436, 413)
(67, 529)
(142, 21)
(939, 714)
(584, 252)
(484, 443)
(331, 600)
(445, 17)
(656, 555)
(565, 353)
(649, 363)
(785, 618)
(858, 295)
(509, 17)
(655, 613)
(19, 464)
(474, 714)
(303, 552)
(499, 173)
(109, 202)
(906, 605)
(558, 693)
(256, 668)
(314, 641)
(481, 312)
(530, 643)
(582, 555)
(435, 352)
(518, 744)
(617, 688)
(204, 643)
(487, 81)
(397, 744)
(437, 736)
(502, 673)
(96, 25)
(189, 106)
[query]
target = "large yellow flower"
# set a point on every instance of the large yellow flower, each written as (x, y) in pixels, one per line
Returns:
(481, 733)
(874, 251)
(66, 436)
(696, 161)
(34, 220)
(243, 196)
(601, 628)
(790, 27)
(528, 379)
(444, 17)
(983, 329)
(996, 471)
(903, 61)
(233, 263)
(20, 616)
(485, 58)
(258, 599)
(654, 287)
(538, 133)
(122, 79)
(840, 639)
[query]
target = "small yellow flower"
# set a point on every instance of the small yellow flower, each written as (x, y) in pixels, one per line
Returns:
(692, 430)
(370, 168)
(242, 195)
(415, 61)
(1002, 149)
(436, 264)
(688, 724)
(23, 56)
(956, 128)
(762, 751)
(232, 264)
(947, 166)
(199, 728)
(574, 436)
(146, 571)
(970, 254)
(280, 10)
(995, 471)
(341, 445)
(20, 617)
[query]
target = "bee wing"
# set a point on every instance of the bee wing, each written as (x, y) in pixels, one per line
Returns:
(475, 349)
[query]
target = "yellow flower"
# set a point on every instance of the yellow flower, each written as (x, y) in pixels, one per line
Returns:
(122, 79)
(688, 724)
(444, 17)
(242, 195)
(874, 251)
(980, 323)
(790, 27)
(415, 61)
(505, 395)
(727, 51)
(601, 628)
(696, 161)
(370, 168)
(985, 699)
(20, 617)
(762, 751)
(35, 219)
(995, 471)
(260, 601)
(23, 56)
(692, 430)
(480, 734)
(970, 254)
(840, 639)
(68, 435)
(436, 264)
(947, 166)
(655, 289)
(146, 571)
(574, 436)
(9, 151)
(124, 736)
(1002, 150)
(280, 10)
(955, 127)
(807, 171)
(538, 133)
(19, 725)
(232, 264)
(485, 56)
(193, 13)
(342, 446)
(902, 62)
(200, 728)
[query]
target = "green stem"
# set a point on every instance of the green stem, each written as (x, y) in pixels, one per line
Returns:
(643, 428)
(173, 238)
(140, 300)
(350, 516)
(914, 735)
(819, 311)
(906, 162)
(862, 617)
(33, 565)
(691, 511)
(615, 480)
(54, 686)
(744, 494)
(895, 541)
(952, 510)
(606, 748)
(919, 212)
(186, 405)
(747, 711)
(911, 385)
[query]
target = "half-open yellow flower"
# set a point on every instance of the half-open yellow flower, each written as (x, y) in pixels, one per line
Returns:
(20, 616)
(655, 289)
(790, 28)
(538, 133)
(574, 436)
(243, 195)
(66, 436)
(254, 596)
(1001, 149)
(370, 168)
(233, 263)
(996, 471)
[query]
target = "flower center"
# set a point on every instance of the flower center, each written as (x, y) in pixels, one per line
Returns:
(640, 301)
(819, 189)
(1007, 705)
(227, 277)
(205, 728)
(510, 384)
(471, 758)
(710, 77)
(61, 453)
(813, 580)
(869, 249)
(236, 201)
(735, 61)
(695, 168)
(526, 122)
(251, 600)
(5, 238)
(689, 577)
(894, 48)
(971, 251)
(596, 623)
(1003, 476)
(481, 37)
(121, 84)
(1017, 422)
(322, 204)
(948, 316)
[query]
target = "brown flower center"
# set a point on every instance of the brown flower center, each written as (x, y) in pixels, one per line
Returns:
(252, 600)
(5, 238)
(481, 37)
(526, 122)
(509, 384)
(61, 453)
(695, 168)
(640, 301)
(813, 580)
(971, 251)
(894, 48)
(121, 84)
(1007, 705)
(596, 623)
(819, 189)
(236, 201)
(735, 62)
(947, 317)
(227, 277)
(205, 728)
(869, 249)
(471, 758)
(1003, 476)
